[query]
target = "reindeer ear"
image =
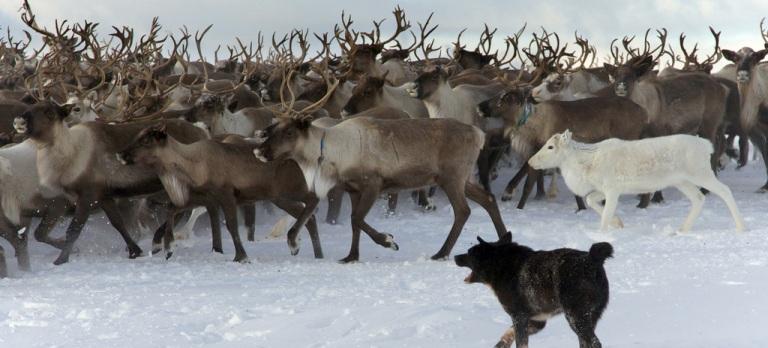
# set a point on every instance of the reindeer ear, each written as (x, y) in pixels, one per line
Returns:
(730, 55)
(481, 241)
(644, 66)
(759, 55)
(377, 48)
(303, 122)
(62, 111)
(610, 68)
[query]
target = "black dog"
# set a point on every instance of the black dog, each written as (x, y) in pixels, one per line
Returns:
(533, 286)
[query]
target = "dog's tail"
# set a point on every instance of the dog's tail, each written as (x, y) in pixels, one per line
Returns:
(600, 251)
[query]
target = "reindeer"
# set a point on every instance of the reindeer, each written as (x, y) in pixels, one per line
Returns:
(367, 156)
(81, 163)
(751, 76)
(196, 169)
(613, 167)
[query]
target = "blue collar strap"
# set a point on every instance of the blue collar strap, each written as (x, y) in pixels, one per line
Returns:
(322, 148)
(527, 111)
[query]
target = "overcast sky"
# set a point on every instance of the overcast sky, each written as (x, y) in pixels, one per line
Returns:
(599, 21)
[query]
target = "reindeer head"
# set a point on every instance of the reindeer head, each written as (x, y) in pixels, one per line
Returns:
(42, 120)
(82, 109)
(144, 148)
(283, 138)
(428, 82)
(624, 76)
(553, 153)
(365, 95)
(287, 136)
(746, 60)
(551, 87)
(508, 105)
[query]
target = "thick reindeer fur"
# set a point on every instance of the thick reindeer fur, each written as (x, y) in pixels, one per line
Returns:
(81, 163)
(368, 156)
(613, 167)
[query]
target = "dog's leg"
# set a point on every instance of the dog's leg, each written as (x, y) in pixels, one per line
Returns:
(521, 331)
(584, 327)
(506, 339)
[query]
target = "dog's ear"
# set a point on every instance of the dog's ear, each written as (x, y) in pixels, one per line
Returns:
(506, 238)
(481, 240)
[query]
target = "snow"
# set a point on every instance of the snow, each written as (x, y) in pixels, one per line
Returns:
(705, 288)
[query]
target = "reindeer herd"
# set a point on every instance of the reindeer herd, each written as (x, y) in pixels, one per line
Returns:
(125, 123)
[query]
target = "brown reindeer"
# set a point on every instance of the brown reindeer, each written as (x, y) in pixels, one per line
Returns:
(751, 75)
(367, 156)
(227, 174)
(81, 162)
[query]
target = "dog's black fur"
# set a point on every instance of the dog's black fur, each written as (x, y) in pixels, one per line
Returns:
(535, 285)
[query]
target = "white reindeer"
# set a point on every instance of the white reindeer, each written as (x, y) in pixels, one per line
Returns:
(613, 167)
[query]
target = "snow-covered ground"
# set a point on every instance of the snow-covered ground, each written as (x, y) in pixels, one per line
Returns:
(708, 288)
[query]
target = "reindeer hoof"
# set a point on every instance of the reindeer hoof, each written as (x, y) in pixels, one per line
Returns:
(349, 259)
(506, 196)
(62, 259)
(617, 223)
(134, 252)
(168, 255)
(430, 206)
(242, 259)
(389, 242)
(294, 249)
(439, 257)
(156, 248)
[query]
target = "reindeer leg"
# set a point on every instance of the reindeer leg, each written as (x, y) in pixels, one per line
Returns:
(391, 204)
(82, 212)
(229, 206)
(743, 150)
(335, 198)
(484, 168)
(213, 215)
(510, 189)
(168, 237)
(113, 214)
(249, 218)
(21, 245)
(580, 204)
(645, 201)
(3, 266)
(533, 176)
(540, 193)
(303, 215)
(51, 215)
(488, 203)
(361, 205)
(456, 192)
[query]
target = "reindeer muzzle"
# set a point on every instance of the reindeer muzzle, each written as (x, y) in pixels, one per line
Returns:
(742, 76)
(20, 125)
